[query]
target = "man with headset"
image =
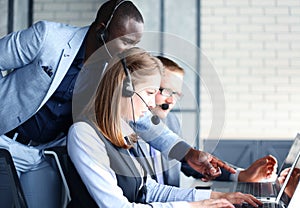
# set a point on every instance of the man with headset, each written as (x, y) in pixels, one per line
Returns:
(38, 73)
(168, 171)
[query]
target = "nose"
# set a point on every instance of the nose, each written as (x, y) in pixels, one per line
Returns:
(170, 100)
(151, 103)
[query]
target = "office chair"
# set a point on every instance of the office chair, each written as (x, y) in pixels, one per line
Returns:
(11, 192)
(77, 193)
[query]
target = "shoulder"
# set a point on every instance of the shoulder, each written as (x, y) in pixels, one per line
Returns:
(52, 30)
(81, 127)
(48, 24)
(172, 121)
(84, 134)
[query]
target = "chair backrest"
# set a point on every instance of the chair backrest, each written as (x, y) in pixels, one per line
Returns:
(11, 193)
(79, 196)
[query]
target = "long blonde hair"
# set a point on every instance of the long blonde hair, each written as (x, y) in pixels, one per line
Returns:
(107, 102)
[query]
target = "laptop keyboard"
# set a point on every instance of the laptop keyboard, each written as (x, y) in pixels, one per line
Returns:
(253, 188)
(266, 205)
(256, 189)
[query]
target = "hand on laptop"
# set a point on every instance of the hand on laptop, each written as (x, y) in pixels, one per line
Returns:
(237, 198)
(216, 203)
(205, 163)
(263, 168)
(293, 182)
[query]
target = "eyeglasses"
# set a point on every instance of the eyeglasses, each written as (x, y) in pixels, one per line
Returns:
(169, 93)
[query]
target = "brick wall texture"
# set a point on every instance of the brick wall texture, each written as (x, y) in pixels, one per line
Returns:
(254, 46)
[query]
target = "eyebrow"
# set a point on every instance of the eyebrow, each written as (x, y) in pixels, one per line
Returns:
(128, 40)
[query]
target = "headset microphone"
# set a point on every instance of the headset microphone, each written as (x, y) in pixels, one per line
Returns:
(101, 36)
(155, 119)
(164, 106)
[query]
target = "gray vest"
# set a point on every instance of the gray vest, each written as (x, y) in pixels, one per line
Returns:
(128, 176)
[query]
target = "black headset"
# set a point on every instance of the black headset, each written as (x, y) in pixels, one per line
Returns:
(102, 34)
(128, 89)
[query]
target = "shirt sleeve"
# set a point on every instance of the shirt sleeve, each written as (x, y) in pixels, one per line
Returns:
(235, 176)
(16, 45)
(161, 138)
(88, 153)
(164, 193)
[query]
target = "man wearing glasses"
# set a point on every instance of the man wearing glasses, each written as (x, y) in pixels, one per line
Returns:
(167, 171)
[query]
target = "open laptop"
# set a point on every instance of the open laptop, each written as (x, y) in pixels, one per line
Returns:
(271, 189)
(11, 193)
(282, 200)
(261, 189)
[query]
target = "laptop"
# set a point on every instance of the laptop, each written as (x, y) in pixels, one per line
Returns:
(261, 189)
(271, 189)
(11, 193)
(282, 200)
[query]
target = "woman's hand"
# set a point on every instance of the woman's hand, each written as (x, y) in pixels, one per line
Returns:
(236, 198)
(211, 203)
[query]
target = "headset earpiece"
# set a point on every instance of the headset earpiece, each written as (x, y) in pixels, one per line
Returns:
(102, 34)
(128, 89)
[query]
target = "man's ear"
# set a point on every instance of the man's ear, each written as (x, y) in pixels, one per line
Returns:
(101, 32)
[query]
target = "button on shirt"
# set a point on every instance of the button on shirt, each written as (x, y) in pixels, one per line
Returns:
(55, 117)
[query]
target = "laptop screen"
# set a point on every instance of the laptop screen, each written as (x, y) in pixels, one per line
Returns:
(292, 154)
(289, 185)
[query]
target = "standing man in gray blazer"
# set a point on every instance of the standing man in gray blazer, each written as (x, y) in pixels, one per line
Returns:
(39, 66)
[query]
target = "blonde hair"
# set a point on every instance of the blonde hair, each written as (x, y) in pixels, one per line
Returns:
(107, 102)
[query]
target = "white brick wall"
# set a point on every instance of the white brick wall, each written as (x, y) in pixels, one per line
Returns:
(258, 66)
(75, 12)
(253, 45)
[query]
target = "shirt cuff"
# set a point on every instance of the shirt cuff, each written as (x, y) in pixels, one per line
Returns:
(179, 150)
(202, 194)
(235, 176)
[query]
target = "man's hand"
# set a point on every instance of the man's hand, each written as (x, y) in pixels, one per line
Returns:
(208, 165)
(262, 168)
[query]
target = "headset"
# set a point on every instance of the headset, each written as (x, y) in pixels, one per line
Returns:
(128, 91)
(102, 34)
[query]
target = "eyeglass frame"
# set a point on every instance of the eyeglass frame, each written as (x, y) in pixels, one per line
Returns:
(167, 92)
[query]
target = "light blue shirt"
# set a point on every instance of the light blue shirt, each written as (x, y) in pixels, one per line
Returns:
(161, 137)
(88, 153)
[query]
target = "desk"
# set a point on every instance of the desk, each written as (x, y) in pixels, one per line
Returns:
(221, 186)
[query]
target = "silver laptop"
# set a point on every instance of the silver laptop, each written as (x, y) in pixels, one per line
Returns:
(281, 200)
(271, 189)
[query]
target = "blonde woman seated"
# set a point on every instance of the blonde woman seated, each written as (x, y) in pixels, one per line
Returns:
(103, 150)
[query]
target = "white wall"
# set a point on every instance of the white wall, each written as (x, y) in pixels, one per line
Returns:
(253, 45)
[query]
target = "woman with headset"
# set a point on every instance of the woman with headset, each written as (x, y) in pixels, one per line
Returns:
(105, 150)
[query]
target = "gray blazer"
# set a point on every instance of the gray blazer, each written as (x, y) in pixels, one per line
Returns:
(40, 56)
